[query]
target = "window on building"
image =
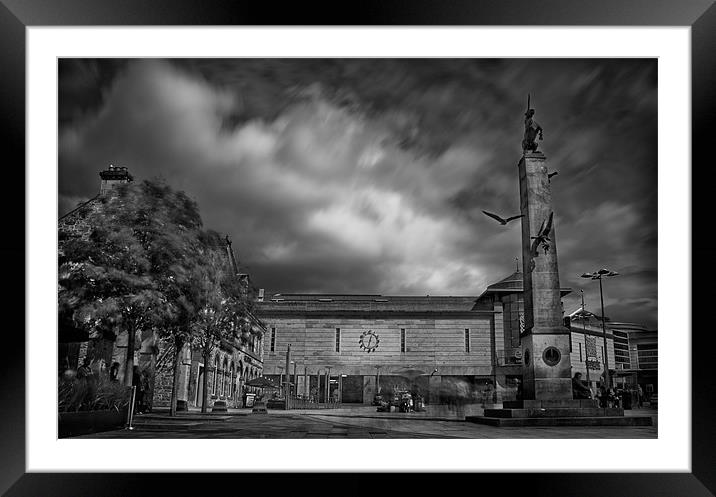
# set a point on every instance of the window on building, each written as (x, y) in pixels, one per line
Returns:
(273, 339)
(231, 380)
(223, 378)
(402, 339)
(338, 339)
(602, 349)
(580, 352)
(467, 340)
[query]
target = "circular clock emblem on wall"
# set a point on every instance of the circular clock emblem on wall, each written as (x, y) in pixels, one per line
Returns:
(369, 341)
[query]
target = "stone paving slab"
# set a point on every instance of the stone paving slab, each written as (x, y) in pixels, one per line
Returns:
(352, 424)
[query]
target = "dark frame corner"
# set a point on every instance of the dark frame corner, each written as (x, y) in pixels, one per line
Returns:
(16, 15)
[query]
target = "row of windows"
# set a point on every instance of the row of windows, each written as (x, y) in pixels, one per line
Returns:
(642, 360)
(226, 379)
(402, 340)
(647, 346)
(648, 353)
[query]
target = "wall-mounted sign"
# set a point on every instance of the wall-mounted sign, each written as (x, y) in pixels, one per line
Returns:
(594, 364)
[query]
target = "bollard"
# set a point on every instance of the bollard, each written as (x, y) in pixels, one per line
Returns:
(130, 411)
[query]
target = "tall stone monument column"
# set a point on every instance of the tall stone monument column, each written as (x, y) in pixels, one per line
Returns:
(547, 398)
(545, 343)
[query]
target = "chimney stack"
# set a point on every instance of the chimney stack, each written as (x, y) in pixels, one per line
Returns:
(113, 177)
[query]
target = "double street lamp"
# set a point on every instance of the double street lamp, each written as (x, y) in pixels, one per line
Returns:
(597, 275)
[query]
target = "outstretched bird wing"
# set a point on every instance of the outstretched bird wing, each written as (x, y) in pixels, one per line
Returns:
(552, 174)
(546, 229)
(495, 216)
(514, 217)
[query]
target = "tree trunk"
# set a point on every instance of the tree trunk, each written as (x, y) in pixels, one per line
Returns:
(129, 361)
(175, 379)
(205, 387)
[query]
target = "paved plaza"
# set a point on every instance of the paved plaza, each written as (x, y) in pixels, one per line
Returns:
(355, 422)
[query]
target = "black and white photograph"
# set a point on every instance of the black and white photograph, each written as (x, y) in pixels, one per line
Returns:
(357, 248)
(300, 247)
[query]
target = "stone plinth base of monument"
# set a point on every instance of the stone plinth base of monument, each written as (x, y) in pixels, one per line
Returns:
(584, 412)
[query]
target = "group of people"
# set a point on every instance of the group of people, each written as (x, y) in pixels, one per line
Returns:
(607, 397)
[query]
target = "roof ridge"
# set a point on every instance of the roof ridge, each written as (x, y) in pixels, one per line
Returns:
(77, 208)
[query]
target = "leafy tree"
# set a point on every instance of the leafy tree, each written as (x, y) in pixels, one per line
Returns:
(130, 270)
(224, 305)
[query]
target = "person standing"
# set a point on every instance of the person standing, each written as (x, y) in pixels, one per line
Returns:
(114, 371)
(139, 390)
(603, 396)
(86, 385)
(579, 389)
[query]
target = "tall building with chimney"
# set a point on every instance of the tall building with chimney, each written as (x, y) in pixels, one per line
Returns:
(231, 364)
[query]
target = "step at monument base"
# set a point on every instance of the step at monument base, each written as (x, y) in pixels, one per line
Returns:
(554, 412)
(538, 404)
(557, 412)
(562, 421)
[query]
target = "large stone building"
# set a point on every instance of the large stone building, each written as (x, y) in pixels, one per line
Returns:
(371, 341)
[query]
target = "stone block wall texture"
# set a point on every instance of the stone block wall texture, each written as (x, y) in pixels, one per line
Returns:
(429, 343)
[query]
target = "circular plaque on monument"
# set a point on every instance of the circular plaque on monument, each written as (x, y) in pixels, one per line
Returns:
(551, 356)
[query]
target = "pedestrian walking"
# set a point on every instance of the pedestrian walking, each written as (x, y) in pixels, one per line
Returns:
(139, 390)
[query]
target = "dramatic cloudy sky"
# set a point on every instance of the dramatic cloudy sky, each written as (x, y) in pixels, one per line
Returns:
(370, 175)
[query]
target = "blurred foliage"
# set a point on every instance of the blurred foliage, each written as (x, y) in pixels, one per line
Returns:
(95, 394)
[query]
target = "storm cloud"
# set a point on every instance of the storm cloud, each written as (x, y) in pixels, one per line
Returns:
(370, 175)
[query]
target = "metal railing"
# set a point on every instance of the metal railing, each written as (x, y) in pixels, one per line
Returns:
(311, 402)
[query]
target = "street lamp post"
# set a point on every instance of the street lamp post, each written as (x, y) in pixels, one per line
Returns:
(305, 381)
(584, 328)
(377, 379)
(328, 385)
(287, 390)
(294, 386)
(318, 388)
(597, 275)
(280, 379)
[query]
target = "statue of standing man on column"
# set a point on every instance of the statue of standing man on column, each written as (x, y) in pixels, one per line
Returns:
(532, 130)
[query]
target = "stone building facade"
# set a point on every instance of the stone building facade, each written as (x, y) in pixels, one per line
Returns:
(367, 340)
(476, 339)
(442, 338)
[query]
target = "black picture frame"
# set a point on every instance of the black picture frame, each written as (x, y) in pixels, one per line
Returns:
(16, 15)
